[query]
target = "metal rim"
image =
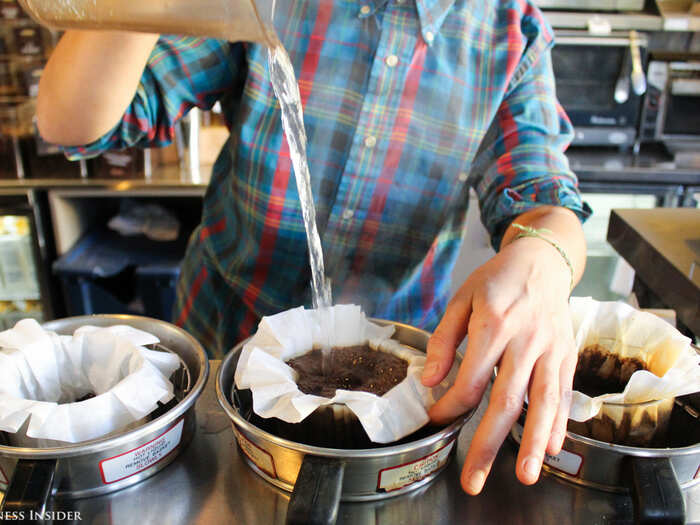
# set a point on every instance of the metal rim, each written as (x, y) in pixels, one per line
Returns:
(599, 486)
(222, 397)
(639, 404)
(99, 444)
(635, 451)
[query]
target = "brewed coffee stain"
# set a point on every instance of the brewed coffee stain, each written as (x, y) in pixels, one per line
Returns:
(599, 372)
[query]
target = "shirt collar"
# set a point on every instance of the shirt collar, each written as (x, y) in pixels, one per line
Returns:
(431, 14)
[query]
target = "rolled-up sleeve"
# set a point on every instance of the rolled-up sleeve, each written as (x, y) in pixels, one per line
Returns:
(521, 162)
(181, 73)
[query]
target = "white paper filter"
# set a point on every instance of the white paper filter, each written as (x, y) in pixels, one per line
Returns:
(262, 369)
(674, 367)
(42, 373)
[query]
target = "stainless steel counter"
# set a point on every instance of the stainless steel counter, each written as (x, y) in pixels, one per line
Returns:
(663, 247)
(653, 165)
(210, 483)
(162, 178)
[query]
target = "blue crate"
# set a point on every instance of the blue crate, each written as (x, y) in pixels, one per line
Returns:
(107, 273)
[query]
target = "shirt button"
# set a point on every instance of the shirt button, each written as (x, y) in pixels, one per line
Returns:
(392, 60)
(365, 9)
(429, 36)
(463, 177)
(370, 141)
(347, 214)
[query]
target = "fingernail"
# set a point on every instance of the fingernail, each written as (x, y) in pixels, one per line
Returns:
(431, 368)
(532, 467)
(476, 481)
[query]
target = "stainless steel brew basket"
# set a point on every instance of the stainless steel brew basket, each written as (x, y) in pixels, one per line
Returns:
(654, 476)
(358, 474)
(111, 463)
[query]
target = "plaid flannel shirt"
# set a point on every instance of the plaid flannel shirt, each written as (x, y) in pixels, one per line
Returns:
(407, 105)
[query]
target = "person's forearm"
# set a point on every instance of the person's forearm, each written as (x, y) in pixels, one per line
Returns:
(566, 232)
(88, 83)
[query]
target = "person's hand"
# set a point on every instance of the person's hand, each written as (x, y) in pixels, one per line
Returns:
(514, 310)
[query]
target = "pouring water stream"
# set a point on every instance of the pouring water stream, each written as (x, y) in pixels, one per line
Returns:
(286, 89)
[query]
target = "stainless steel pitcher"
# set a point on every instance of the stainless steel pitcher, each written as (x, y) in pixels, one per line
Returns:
(232, 20)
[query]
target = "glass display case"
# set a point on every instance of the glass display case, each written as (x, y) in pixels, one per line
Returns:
(23, 290)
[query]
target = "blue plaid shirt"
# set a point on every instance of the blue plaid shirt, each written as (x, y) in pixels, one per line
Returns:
(407, 105)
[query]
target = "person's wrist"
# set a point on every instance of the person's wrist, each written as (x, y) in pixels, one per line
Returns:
(547, 236)
(548, 258)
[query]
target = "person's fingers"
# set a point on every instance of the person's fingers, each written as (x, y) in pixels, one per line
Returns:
(504, 408)
(566, 377)
(443, 344)
(484, 348)
(543, 403)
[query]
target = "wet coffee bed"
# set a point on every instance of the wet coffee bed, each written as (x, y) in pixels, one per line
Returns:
(357, 368)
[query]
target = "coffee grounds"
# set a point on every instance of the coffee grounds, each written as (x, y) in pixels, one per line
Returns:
(599, 372)
(357, 368)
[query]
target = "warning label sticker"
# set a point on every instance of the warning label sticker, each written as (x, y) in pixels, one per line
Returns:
(393, 478)
(261, 458)
(567, 462)
(139, 459)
